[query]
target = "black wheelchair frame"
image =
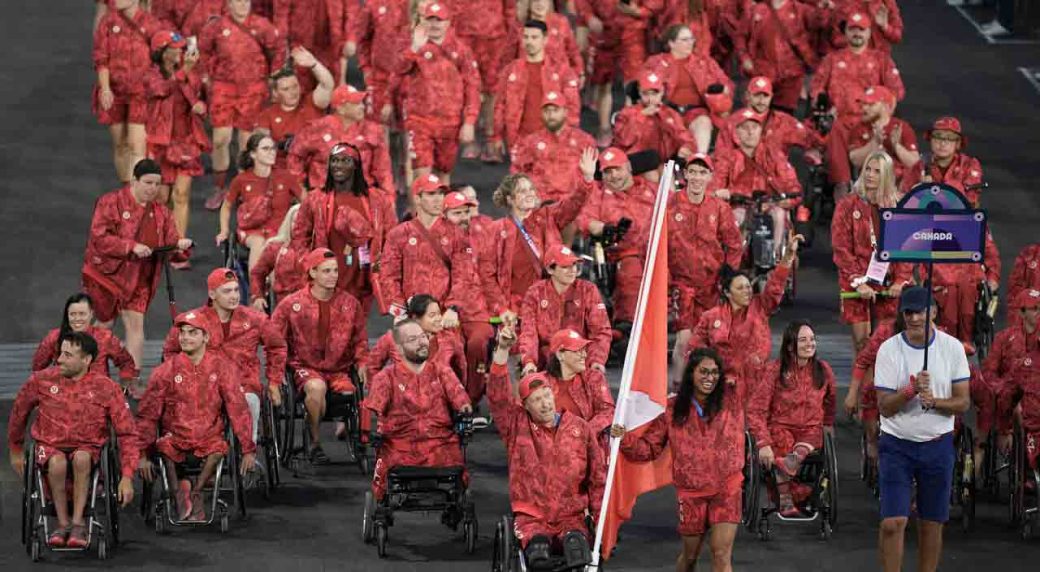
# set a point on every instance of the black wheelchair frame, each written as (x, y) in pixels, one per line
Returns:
(508, 556)
(1024, 507)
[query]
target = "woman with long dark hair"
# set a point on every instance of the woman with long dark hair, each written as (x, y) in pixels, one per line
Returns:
(704, 428)
(790, 409)
(445, 344)
(79, 317)
(578, 388)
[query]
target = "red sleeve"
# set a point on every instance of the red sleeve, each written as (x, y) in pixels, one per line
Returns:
(602, 402)
(842, 238)
(729, 236)
(281, 17)
(891, 79)
(505, 407)
(391, 270)
(126, 433)
(760, 404)
(43, 357)
(150, 408)
(868, 354)
(274, 44)
(470, 86)
(699, 339)
(104, 229)
(498, 126)
(487, 266)
(101, 50)
(1009, 395)
(238, 412)
(24, 403)
(465, 285)
(303, 227)
(119, 355)
(894, 32)
(596, 469)
(829, 396)
(453, 390)
(992, 259)
(648, 445)
(527, 344)
(381, 353)
(598, 326)
(521, 155)
(262, 268)
(770, 298)
(378, 393)
(821, 78)
(626, 127)
(382, 168)
(360, 339)
(276, 351)
(1019, 279)
(993, 366)
(171, 344)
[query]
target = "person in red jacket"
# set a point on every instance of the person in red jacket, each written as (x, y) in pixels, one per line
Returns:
(319, 26)
(854, 239)
(1011, 368)
(415, 399)
(780, 130)
(186, 401)
(956, 288)
(378, 37)
(239, 51)
(561, 45)
(277, 270)
(524, 85)
(1025, 275)
(562, 301)
(948, 164)
(620, 196)
(445, 345)
(309, 152)
(790, 409)
(459, 209)
(238, 334)
(261, 194)
(651, 125)
(599, 25)
(325, 330)
(774, 41)
(862, 397)
(703, 238)
(292, 110)
(887, 19)
(120, 270)
(439, 83)
(556, 466)
(122, 57)
(75, 407)
(881, 130)
(547, 156)
(696, 86)
(79, 317)
(703, 427)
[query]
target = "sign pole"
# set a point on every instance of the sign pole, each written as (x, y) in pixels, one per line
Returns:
(928, 316)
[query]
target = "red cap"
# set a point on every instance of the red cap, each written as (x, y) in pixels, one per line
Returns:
(651, 81)
(857, 19)
(436, 10)
(560, 256)
(612, 157)
(760, 84)
(315, 257)
(553, 98)
(532, 382)
(220, 277)
(456, 199)
(1027, 299)
(346, 94)
(567, 339)
(947, 124)
(428, 184)
(703, 158)
(878, 94)
(192, 318)
(166, 38)
(747, 114)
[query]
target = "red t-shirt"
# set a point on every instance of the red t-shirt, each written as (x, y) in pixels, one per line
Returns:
(562, 397)
(280, 184)
(352, 277)
(281, 123)
(148, 233)
(685, 91)
(524, 273)
(323, 322)
(531, 117)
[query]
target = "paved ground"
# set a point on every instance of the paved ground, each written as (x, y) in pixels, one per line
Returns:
(55, 162)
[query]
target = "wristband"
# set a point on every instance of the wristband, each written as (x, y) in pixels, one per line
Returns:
(909, 391)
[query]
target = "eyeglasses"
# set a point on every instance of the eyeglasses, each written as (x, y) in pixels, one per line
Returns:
(946, 138)
(708, 372)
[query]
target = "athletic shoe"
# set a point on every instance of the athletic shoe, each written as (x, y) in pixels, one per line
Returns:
(58, 538)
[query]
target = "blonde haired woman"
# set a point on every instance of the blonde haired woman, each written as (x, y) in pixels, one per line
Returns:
(279, 258)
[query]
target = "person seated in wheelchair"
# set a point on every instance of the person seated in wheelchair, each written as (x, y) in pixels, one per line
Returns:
(1016, 356)
(325, 330)
(704, 428)
(788, 412)
(74, 409)
(556, 467)
(415, 400)
(186, 399)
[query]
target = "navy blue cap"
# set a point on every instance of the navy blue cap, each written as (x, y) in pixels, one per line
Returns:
(913, 299)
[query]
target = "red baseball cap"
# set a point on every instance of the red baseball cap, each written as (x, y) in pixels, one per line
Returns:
(651, 81)
(567, 339)
(437, 10)
(315, 257)
(703, 158)
(947, 124)
(552, 98)
(857, 19)
(747, 114)
(455, 199)
(428, 184)
(192, 318)
(220, 277)
(346, 94)
(164, 39)
(532, 382)
(1027, 299)
(878, 94)
(612, 157)
(760, 84)
(560, 256)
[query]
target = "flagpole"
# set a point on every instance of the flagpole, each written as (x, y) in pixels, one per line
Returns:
(660, 208)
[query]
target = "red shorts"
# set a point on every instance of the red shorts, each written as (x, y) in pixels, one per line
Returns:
(857, 311)
(698, 513)
(337, 382)
(44, 452)
(105, 303)
(139, 299)
(177, 450)
(633, 52)
(605, 62)
(526, 527)
(784, 438)
(172, 168)
(432, 147)
(490, 54)
(868, 405)
(237, 106)
(415, 453)
(133, 109)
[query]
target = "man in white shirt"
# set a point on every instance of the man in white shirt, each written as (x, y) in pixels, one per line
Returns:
(917, 406)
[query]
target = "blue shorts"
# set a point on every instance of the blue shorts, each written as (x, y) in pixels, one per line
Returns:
(903, 463)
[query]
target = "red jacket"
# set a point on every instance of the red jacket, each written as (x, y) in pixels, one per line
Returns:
(440, 84)
(309, 154)
(868, 354)
(281, 259)
(282, 124)
(737, 172)
(172, 13)
(1017, 357)
(318, 25)
(701, 239)
(781, 131)
(545, 311)
(554, 474)
(561, 46)
(484, 19)
(794, 401)
(707, 454)
(704, 72)
(512, 90)
(664, 131)
(964, 171)
(1010, 348)
(122, 46)
(249, 331)
(635, 203)
(110, 348)
(241, 54)
(189, 401)
(263, 202)
(1025, 274)
(855, 231)
(861, 134)
(109, 257)
(382, 31)
(970, 274)
(550, 160)
(880, 38)
(296, 319)
(171, 122)
(845, 75)
(590, 399)
(73, 414)
(445, 348)
(201, 14)
(778, 41)
(415, 407)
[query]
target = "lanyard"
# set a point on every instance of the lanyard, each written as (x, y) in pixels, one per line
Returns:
(527, 237)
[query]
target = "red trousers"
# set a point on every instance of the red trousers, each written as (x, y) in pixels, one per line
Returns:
(476, 335)
(415, 453)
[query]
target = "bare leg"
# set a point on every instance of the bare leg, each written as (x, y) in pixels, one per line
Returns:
(860, 335)
(57, 472)
(81, 465)
(221, 154)
(120, 152)
(209, 468)
(314, 402)
(604, 106)
(701, 129)
(255, 244)
(691, 548)
(929, 545)
(133, 326)
(181, 198)
(890, 543)
(136, 139)
(721, 542)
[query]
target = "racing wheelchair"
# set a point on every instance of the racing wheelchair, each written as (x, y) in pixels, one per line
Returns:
(424, 489)
(509, 556)
(1024, 484)
(819, 470)
(101, 513)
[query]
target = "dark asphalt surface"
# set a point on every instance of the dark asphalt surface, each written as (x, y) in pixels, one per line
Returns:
(55, 162)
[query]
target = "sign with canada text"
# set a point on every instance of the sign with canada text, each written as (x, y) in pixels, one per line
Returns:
(933, 223)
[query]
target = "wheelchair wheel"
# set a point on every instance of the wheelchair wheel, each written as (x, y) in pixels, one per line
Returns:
(381, 539)
(234, 474)
(750, 493)
(1017, 477)
(367, 517)
(829, 486)
(110, 530)
(868, 471)
(288, 425)
(964, 478)
(28, 497)
(469, 528)
(505, 547)
(269, 436)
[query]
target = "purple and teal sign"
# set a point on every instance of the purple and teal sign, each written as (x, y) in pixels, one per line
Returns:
(932, 223)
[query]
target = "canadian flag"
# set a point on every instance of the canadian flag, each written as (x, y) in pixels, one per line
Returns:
(643, 395)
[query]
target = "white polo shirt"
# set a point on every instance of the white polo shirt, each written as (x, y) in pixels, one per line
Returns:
(897, 360)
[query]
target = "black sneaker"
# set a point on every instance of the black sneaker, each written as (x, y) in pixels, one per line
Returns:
(318, 456)
(576, 549)
(537, 554)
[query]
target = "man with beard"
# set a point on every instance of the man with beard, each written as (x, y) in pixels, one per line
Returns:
(290, 113)
(548, 156)
(879, 129)
(415, 401)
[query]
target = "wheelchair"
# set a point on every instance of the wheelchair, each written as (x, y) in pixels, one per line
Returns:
(993, 465)
(101, 513)
(820, 469)
(268, 446)
(601, 270)
(295, 439)
(424, 489)
(1023, 503)
(761, 253)
(868, 468)
(985, 320)
(963, 490)
(508, 556)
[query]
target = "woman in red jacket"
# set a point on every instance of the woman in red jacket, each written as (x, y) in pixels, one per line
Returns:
(279, 261)
(262, 194)
(578, 388)
(790, 410)
(445, 344)
(704, 427)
